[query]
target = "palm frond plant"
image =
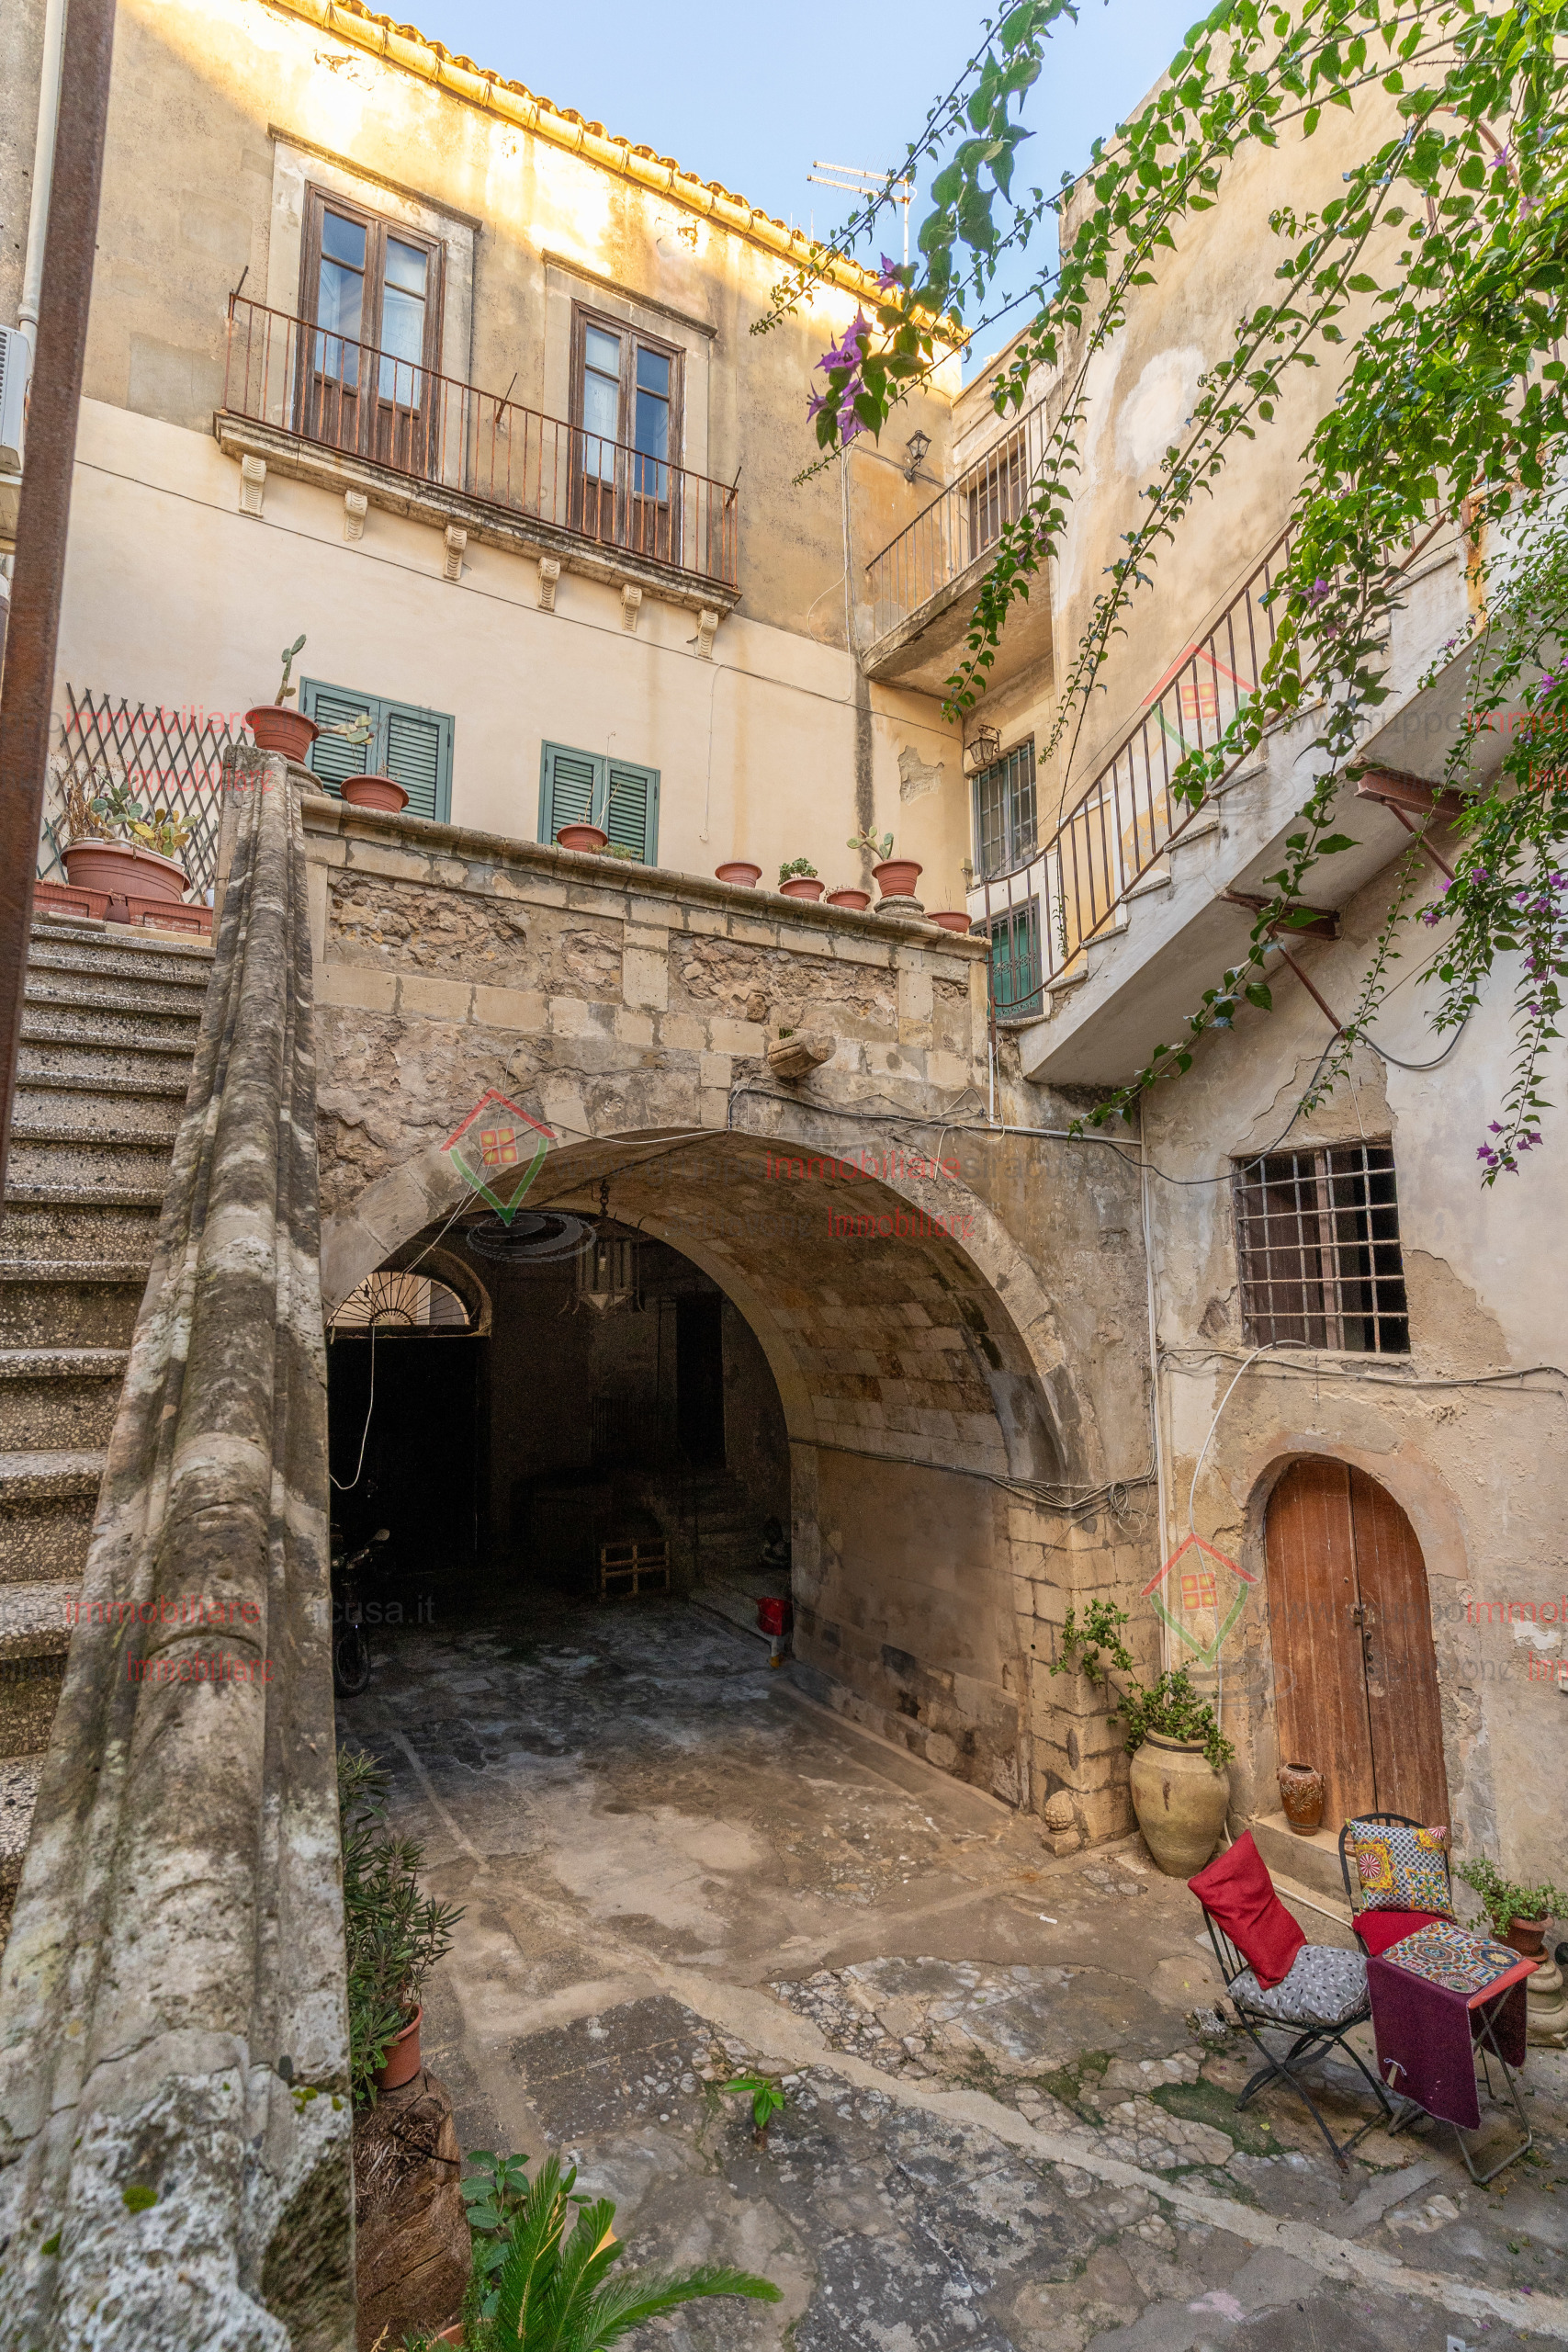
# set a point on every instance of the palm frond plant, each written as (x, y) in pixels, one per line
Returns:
(395, 1935)
(549, 2290)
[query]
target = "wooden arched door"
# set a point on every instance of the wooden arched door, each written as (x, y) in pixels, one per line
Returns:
(1355, 1672)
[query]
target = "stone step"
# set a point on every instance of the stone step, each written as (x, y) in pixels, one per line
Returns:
(44, 1223)
(18, 1793)
(83, 1157)
(35, 1618)
(101, 1020)
(69, 1302)
(29, 1693)
(60, 1399)
(157, 1063)
(79, 946)
(1312, 1861)
(132, 992)
(47, 1502)
(69, 1106)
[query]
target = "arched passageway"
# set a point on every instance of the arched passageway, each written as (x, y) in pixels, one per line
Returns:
(813, 1338)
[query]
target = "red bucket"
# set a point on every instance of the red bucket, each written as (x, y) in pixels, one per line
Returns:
(773, 1617)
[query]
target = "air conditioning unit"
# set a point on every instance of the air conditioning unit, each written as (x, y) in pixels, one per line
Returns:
(14, 362)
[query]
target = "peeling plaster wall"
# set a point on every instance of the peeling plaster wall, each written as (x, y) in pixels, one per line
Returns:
(1476, 1463)
(955, 1396)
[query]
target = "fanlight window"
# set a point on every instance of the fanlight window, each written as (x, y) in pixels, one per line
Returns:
(393, 1302)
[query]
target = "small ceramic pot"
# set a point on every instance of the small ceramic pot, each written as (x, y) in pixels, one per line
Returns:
(1301, 1793)
(744, 877)
(895, 878)
(126, 870)
(374, 792)
(589, 837)
(279, 728)
(952, 919)
(1180, 1802)
(802, 885)
(1527, 1938)
(403, 2061)
(858, 899)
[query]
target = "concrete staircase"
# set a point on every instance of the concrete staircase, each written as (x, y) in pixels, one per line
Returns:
(108, 1031)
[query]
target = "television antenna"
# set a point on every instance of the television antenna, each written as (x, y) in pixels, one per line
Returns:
(860, 181)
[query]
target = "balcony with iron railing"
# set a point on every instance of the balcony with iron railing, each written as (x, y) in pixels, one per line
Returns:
(317, 405)
(1107, 912)
(920, 588)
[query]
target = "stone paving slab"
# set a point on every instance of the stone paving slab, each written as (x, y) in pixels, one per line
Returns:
(1006, 2129)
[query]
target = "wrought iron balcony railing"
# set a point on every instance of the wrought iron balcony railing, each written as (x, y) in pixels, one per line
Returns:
(391, 411)
(958, 526)
(1043, 911)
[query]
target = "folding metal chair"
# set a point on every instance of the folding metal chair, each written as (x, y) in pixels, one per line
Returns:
(1262, 2009)
(1482, 2022)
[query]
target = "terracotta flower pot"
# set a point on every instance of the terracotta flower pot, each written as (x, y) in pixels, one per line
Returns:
(374, 792)
(802, 885)
(746, 877)
(279, 728)
(1301, 1793)
(895, 878)
(125, 869)
(1527, 1938)
(950, 919)
(1180, 1802)
(858, 899)
(588, 837)
(403, 2061)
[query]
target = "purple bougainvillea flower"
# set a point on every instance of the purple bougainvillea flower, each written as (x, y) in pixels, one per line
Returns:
(1500, 159)
(887, 276)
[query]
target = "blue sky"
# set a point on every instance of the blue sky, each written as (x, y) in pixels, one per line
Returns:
(753, 108)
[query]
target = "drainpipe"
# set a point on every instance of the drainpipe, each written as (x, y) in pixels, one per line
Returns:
(1157, 1409)
(43, 169)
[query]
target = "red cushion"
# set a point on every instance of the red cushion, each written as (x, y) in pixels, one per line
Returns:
(1238, 1895)
(1378, 1929)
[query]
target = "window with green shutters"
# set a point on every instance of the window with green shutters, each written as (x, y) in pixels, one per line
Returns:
(411, 745)
(577, 788)
(1015, 959)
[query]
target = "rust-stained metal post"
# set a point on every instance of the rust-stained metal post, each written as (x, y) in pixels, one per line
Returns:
(26, 690)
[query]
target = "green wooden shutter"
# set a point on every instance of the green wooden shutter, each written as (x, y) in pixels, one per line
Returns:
(411, 745)
(331, 758)
(632, 805)
(417, 752)
(571, 788)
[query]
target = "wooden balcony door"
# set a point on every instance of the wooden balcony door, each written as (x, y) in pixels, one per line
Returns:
(1349, 1619)
(370, 342)
(626, 437)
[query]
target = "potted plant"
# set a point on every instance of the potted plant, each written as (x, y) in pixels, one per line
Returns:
(857, 900)
(894, 877)
(736, 870)
(130, 851)
(951, 918)
(1180, 1786)
(395, 1936)
(798, 879)
(582, 835)
(531, 2272)
(277, 729)
(1517, 1915)
(374, 792)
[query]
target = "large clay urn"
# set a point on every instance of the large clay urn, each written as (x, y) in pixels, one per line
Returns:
(1301, 1793)
(1180, 1802)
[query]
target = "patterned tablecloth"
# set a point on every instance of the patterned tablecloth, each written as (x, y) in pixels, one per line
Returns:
(1432, 1995)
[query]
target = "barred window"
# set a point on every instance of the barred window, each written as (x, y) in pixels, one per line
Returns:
(1318, 1240)
(1004, 811)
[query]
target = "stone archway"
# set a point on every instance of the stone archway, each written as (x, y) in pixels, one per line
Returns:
(918, 1370)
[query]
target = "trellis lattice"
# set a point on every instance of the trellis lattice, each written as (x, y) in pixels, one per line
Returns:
(169, 759)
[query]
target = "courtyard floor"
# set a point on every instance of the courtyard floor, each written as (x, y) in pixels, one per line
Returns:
(1006, 2129)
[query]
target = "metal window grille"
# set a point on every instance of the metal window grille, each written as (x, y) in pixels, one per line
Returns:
(167, 759)
(1318, 1241)
(1004, 810)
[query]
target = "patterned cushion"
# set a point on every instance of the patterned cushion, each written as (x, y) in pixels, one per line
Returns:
(1325, 1987)
(1402, 1869)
